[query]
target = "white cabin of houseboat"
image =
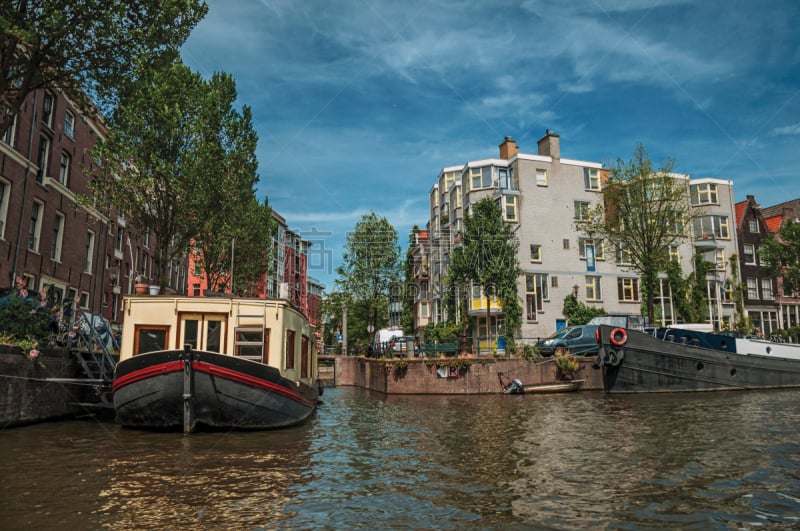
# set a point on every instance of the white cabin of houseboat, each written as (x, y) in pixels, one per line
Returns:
(268, 331)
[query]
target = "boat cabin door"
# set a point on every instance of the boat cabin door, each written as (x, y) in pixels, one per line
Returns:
(203, 331)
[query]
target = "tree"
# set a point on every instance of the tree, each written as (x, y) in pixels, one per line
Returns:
(487, 257)
(644, 212)
(370, 266)
(178, 173)
(780, 256)
(85, 48)
(234, 226)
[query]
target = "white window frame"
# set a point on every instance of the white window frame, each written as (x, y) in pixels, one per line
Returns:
(766, 289)
(752, 288)
(89, 258)
(69, 124)
(43, 158)
(541, 177)
(64, 165)
(753, 226)
(5, 194)
(749, 254)
(8, 137)
(48, 108)
(58, 237)
(35, 229)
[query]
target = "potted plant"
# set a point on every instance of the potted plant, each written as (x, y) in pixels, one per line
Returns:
(139, 287)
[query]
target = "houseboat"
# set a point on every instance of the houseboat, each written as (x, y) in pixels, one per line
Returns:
(214, 363)
(675, 359)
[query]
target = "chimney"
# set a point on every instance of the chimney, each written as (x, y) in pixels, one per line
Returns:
(508, 148)
(549, 146)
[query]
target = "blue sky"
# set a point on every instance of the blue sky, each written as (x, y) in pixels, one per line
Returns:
(359, 104)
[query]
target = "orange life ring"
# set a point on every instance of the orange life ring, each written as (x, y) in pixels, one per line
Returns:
(619, 336)
(597, 335)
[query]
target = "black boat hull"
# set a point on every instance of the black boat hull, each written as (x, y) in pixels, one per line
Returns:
(643, 363)
(178, 390)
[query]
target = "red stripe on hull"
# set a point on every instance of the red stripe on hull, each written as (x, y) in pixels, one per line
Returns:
(147, 372)
(213, 370)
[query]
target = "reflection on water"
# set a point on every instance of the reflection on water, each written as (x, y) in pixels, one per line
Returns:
(581, 460)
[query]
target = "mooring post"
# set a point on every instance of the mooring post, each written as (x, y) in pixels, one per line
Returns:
(188, 388)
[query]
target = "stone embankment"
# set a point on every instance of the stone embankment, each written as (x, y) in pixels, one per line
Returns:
(28, 392)
(471, 375)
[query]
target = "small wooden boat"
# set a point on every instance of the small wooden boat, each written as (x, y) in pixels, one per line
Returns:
(217, 363)
(516, 387)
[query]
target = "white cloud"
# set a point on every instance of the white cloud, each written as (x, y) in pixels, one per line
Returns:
(793, 129)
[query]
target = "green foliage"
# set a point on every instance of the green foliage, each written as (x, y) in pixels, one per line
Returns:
(487, 257)
(442, 332)
(24, 319)
(780, 256)
(645, 211)
(179, 163)
(86, 48)
(370, 267)
(578, 313)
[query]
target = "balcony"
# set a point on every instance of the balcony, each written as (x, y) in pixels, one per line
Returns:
(707, 240)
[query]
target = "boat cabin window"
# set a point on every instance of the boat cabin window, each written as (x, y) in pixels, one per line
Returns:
(249, 343)
(290, 334)
(305, 357)
(202, 331)
(150, 338)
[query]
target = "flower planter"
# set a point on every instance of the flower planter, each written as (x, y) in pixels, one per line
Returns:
(155, 289)
(140, 289)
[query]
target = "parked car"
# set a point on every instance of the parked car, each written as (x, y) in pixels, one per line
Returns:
(579, 340)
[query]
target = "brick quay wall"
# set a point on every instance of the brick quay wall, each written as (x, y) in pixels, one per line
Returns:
(482, 376)
(27, 397)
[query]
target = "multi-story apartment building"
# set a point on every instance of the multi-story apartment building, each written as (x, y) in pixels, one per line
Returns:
(72, 252)
(760, 290)
(788, 303)
(546, 197)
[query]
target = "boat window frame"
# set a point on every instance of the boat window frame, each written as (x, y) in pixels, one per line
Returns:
(137, 329)
(237, 343)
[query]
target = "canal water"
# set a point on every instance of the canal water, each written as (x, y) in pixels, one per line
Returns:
(368, 461)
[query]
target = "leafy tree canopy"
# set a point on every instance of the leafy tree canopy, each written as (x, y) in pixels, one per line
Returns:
(85, 48)
(487, 257)
(780, 256)
(370, 266)
(644, 212)
(179, 163)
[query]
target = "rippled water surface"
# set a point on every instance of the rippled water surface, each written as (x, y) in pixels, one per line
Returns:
(580, 460)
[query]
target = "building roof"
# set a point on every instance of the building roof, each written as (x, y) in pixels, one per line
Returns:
(741, 208)
(773, 223)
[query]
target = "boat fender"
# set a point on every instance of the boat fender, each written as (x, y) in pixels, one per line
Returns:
(619, 336)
